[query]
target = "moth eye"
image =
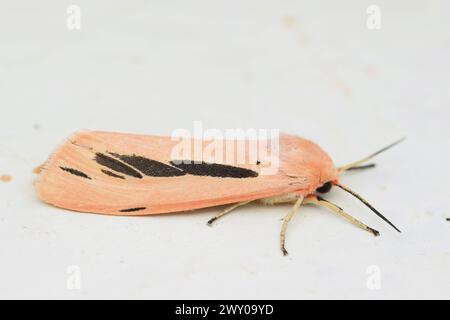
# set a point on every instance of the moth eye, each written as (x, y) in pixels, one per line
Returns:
(326, 187)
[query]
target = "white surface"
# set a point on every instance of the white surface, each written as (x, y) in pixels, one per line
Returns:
(310, 68)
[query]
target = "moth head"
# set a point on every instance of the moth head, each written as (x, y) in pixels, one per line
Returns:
(331, 181)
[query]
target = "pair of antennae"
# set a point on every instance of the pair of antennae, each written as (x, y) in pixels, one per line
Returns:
(358, 165)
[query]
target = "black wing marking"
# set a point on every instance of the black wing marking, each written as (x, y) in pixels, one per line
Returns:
(213, 169)
(116, 165)
(134, 165)
(76, 172)
(133, 209)
(112, 174)
(150, 167)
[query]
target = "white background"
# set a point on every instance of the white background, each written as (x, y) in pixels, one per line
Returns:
(310, 68)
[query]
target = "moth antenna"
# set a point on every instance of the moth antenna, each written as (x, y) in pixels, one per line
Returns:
(365, 166)
(357, 163)
(353, 193)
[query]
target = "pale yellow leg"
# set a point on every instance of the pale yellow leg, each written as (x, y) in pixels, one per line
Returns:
(286, 220)
(338, 210)
(228, 210)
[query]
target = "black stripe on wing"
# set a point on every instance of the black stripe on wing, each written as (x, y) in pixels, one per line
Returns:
(76, 172)
(133, 209)
(135, 166)
(116, 165)
(150, 167)
(112, 174)
(213, 169)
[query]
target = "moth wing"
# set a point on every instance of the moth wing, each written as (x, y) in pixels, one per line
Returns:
(126, 174)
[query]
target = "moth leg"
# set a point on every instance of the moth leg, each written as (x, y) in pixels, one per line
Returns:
(327, 204)
(228, 210)
(286, 220)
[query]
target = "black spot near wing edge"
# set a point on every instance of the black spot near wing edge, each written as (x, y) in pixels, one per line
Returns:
(116, 165)
(213, 169)
(133, 209)
(149, 167)
(76, 172)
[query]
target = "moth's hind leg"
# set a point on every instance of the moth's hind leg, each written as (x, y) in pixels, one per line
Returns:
(284, 198)
(227, 210)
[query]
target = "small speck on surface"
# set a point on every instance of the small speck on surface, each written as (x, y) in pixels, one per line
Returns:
(289, 21)
(5, 178)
